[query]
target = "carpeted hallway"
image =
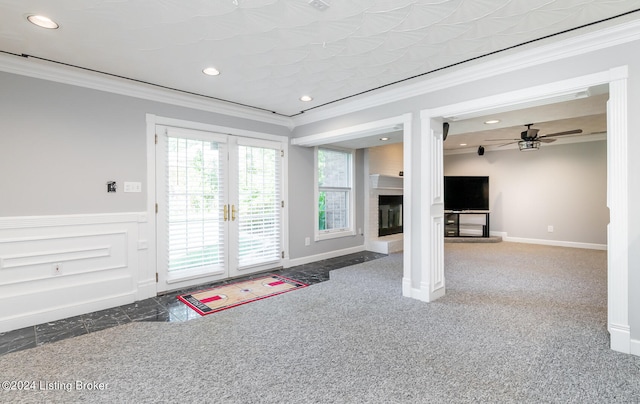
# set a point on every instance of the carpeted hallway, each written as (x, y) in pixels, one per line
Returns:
(519, 323)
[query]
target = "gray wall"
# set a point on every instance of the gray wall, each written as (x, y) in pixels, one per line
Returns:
(564, 186)
(60, 144)
(301, 205)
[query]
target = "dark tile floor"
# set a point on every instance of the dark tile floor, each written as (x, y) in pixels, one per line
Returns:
(164, 308)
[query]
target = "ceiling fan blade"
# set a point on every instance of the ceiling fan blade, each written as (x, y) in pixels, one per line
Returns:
(507, 144)
(569, 132)
(547, 140)
(499, 140)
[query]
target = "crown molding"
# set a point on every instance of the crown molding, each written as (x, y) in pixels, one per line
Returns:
(578, 45)
(604, 38)
(73, 76)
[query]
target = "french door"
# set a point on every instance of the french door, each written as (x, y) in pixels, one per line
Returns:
(219, 206)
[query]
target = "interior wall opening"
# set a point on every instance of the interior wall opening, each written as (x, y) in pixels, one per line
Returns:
(617, 189)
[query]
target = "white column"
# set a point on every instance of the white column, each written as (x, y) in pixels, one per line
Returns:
(617, 201)
(425, 279)
(432, 196)
(424, 238)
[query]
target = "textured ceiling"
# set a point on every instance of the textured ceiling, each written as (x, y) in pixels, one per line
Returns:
(270, 52)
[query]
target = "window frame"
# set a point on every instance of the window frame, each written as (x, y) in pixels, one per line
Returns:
(351, 192)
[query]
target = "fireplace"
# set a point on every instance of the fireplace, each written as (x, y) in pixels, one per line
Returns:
(389, 214)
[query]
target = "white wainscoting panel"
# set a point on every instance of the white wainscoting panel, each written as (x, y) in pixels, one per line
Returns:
(54, 267)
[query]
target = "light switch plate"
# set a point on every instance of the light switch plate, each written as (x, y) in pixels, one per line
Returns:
(132, 187)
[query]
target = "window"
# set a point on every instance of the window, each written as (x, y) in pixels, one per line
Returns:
(334, 191)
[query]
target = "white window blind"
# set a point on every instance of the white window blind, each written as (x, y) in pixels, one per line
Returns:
(195, 201)
(259, 205)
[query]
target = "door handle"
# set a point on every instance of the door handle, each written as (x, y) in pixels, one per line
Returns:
(226, 212)
(233, 212)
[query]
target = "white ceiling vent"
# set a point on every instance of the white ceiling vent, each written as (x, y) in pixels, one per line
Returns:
(320, 4)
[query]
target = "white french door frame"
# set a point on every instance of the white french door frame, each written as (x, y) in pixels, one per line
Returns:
(165, 279)
(237, 268)
(150, 270)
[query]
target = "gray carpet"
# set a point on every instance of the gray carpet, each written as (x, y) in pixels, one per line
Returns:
(520, 323)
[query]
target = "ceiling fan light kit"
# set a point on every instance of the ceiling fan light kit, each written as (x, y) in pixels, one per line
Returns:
(529, 145)
(529, 139)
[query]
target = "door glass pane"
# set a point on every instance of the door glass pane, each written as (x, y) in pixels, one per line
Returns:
(195, 192)
(259, 205)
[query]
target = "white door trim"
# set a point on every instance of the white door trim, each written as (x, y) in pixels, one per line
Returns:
(617, 186)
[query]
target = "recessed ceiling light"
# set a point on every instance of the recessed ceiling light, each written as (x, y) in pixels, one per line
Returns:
(319, 4)
(42, 21)
(492, 121)
(384, 139)
(463, 144)
(211, 71)
(306, 98)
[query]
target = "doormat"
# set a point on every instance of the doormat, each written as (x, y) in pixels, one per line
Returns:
(235, 294)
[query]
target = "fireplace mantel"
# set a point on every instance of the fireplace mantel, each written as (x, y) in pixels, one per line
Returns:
(379, 181)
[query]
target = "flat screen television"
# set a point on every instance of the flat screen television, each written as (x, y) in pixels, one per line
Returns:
(466, 193)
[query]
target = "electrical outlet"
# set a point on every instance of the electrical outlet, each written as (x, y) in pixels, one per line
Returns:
(57, 269)
(550, 229)
(307, 241)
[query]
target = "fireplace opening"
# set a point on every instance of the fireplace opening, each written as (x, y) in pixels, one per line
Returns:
(389, 214)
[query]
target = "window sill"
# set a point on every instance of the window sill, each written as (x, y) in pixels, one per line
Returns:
(334, 234)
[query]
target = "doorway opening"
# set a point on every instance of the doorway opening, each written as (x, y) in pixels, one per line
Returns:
(617, 188)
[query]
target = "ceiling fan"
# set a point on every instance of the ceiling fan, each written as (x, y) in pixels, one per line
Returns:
(529, 139)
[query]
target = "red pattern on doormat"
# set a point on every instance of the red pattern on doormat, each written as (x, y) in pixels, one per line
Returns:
(234, 294)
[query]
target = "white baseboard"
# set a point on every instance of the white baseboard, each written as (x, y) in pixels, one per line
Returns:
(146, 289)
(415, 293)
(557, 243)
(620, 338)
(422, 293)
(292, 262)
(59, 312)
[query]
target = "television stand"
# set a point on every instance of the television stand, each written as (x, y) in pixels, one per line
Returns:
(452, 223)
